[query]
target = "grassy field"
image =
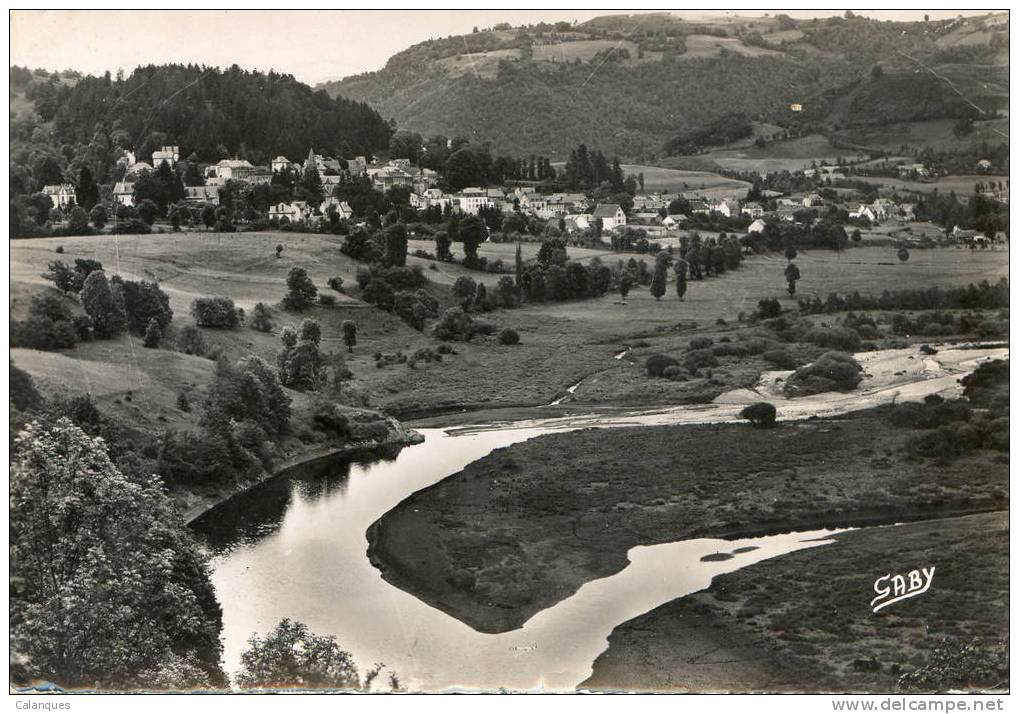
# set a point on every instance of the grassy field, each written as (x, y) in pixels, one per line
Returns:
(790, 155)
(962, 184)
(560, 343)
(936, 133)
(701, 46)
(670, 180)
(524, 527)
(801, 622)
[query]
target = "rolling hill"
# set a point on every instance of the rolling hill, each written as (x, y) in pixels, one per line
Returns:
(627, 84)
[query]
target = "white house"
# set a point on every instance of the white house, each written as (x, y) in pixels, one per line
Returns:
(862, 211)
(123, 193)
(984, 165)
(293, 212)
(752, 209)
(611, 215)
(169, 154)
(62, 194)
(231, 169)
(726, 207)
(812, 200)
(470, 200)
(757, 226)
(343, 209)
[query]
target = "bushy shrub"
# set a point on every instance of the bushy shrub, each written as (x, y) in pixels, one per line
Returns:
(215, 312)
(697, 359)
(49, 325)
(509, 336)
(742, 348)
(779, 359)
(700, 343)
(674, 373)
(326, 299)
(335, 283)
(837, 338)
(260, 319)
(191, 341)
(988, 381)
(760, 414)
(22, 392)
(930, 414)
(656, 364)
(831, 372)
(768, 308)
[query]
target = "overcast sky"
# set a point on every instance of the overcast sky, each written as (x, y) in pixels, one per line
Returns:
(313, 45)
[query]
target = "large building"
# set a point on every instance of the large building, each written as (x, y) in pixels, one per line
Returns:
(168, 154)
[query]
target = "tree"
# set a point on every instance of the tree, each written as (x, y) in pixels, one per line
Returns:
(760, 414)
(790, 252)
(40, 206)
(625, 283)
(106, 310)
(209, 215)
(680, 278)
(856, 235)
(472, 234)
(291, 656)
(260, 318)
(311, 186)
(792, 274)
(311, 331)
(147, 210)
(153, 334)
(87, 193)
(903, 254)
(144, 301)
(77, 222)
(349, 334)
(395, 237)
(301, 292)
(552, 252)
(660, 278)
(98, 216)
(110, 586)
(174, 217)
(465, 288)
(442, 244)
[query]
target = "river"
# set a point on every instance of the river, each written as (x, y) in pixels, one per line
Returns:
(296, 547)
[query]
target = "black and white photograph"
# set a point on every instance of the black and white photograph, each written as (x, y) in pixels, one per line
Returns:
(508, 351)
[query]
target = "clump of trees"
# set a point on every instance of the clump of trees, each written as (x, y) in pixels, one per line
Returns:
(215, 312)
(982, 295)
(292, 657)
(831, 372)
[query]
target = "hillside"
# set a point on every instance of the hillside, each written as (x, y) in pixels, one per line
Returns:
(629, 84)
(209, 112)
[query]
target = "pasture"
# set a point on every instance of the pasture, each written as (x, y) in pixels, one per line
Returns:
(560, 342)
(670, 180)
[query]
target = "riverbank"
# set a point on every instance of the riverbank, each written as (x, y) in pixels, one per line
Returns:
(194, 506)
(803, 621)
(526, 526)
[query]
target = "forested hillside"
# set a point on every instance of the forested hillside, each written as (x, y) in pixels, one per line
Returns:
(208, 112)
(632, 84)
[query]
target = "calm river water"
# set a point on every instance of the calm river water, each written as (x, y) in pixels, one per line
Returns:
(296, 547)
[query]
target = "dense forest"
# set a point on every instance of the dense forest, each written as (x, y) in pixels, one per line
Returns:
(210, 113)
(660, 77)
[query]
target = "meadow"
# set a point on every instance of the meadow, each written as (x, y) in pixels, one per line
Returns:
(560, 342)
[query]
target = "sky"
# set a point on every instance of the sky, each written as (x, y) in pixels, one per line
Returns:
(312, 45)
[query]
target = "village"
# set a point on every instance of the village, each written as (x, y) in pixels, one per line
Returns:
(662, 216)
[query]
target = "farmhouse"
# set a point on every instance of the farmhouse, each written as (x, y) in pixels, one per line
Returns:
(699, 205)
(757, 226)
(62, 194)
(862, 211)
(611, 215)
(282, 164)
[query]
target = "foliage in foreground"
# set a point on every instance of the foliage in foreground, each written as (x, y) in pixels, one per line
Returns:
(292, 657)
(108, 588)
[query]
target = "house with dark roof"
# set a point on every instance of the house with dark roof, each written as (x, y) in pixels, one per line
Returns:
(611, 214)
